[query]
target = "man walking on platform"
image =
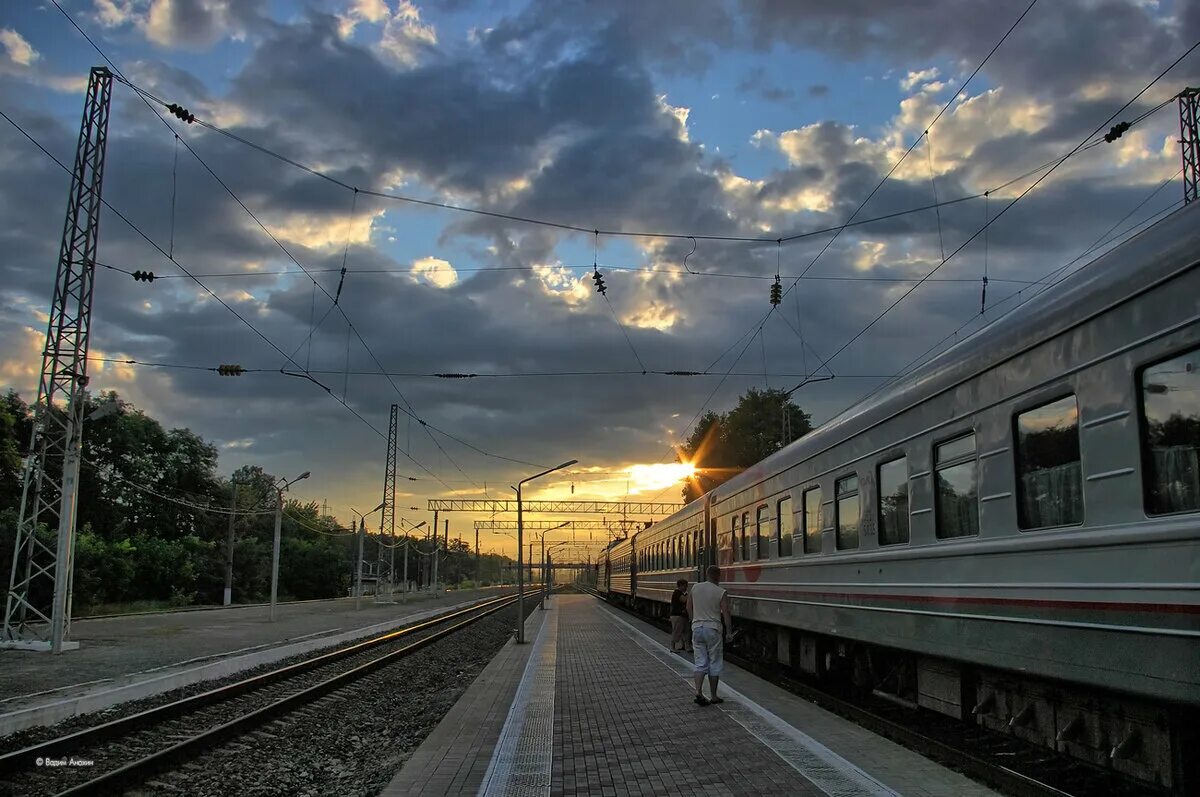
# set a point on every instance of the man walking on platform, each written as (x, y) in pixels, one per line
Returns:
(708, 603)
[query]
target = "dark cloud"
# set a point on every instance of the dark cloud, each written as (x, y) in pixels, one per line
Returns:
(554, 113)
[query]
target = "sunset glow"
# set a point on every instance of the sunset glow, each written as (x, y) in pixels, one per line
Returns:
(658, 477)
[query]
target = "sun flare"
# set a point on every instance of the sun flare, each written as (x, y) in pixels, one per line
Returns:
(644, 478)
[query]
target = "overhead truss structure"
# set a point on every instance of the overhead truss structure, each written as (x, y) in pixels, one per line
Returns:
(38, 609)
(543, 525)
(1189, 142)
(387, 517)
(619, 508)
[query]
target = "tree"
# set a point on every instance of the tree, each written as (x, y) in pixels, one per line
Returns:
(723, 445)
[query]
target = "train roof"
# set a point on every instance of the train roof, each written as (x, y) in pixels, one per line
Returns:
(1138, 263)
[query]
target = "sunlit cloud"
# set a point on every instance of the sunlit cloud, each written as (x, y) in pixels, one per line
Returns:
(437, 272)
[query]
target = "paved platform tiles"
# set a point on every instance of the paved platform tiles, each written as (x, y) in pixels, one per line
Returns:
(597, 705)
(119, 651)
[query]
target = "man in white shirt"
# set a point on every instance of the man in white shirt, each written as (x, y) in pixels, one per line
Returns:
(707, 603)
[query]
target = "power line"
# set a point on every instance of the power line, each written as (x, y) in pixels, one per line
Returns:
(1015, 200)
(494, 375)
(429, 428)
(634, 269)
(181, 267)
(863, 204)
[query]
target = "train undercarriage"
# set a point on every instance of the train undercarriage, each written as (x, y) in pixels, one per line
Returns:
(1128, 736)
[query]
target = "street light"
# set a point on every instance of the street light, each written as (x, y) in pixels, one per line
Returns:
(362, 532)
(520, 540)
(279, 491)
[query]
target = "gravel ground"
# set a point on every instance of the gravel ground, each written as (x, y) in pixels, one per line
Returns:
(352, 741)
(118, 752)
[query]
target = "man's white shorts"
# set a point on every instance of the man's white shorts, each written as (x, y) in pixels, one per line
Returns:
(709, 650)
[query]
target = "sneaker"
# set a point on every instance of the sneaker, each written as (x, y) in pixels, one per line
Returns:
(701, 700)
(715, 700)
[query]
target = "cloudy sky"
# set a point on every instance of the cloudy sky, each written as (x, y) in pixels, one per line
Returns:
(736, 118)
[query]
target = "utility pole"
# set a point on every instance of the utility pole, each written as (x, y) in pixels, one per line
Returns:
(478, 563)
(387, 519)
(37, 610)
(275, 549)
(433, 569)
(1189, 142)
(228, 598)
(362, 532)
(446, 523)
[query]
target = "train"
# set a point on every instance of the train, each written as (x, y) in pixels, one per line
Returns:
(1008, 535)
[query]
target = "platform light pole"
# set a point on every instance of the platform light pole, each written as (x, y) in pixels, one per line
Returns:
(279, 491)
(520, 538)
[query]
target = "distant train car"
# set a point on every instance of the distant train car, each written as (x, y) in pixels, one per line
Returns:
(1009, 535)
(667, 552)
(621, 576)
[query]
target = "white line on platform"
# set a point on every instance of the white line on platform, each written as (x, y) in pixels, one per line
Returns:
(827, 770)
(522, 760)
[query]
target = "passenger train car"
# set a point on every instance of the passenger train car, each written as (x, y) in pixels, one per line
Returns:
(1009, 535)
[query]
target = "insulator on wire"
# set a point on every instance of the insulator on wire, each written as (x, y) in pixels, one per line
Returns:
(776, 292)
(181, 112)
(1116, 132)
(143, 276)
(230, 370)
(598, 278)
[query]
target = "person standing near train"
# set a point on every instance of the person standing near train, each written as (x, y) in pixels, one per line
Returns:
(681, 638)
(708, 604)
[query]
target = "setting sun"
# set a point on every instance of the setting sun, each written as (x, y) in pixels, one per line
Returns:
(658, 477)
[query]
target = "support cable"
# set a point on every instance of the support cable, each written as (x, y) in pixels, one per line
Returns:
(1017, 199)
(146, 97)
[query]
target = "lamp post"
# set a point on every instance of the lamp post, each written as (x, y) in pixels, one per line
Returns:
(362, 533)
(279, 491)
(520, 537)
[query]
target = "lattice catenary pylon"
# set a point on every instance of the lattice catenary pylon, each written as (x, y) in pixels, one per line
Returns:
(38, 610)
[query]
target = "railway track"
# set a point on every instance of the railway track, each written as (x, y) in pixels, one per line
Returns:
(134, 748)
(1004, 763)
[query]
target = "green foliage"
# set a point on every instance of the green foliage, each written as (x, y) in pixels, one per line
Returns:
(722, 445)
(132, 545)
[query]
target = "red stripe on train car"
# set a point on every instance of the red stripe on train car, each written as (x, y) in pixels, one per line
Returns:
(953, 600)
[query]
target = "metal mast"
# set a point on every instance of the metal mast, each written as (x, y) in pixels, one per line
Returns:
(1189, 143)
(38, 610)
(387, 519)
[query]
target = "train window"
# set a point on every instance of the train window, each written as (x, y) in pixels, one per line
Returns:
(813, 522)
(957, 487)
(1049, 484)
(737, 545)
(784, 525)
(762, 520)
(893, 502)
(847, 512)
(745, 536)
(1171, 434)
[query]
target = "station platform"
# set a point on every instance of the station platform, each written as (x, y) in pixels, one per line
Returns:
(129, 657)
(598, 705)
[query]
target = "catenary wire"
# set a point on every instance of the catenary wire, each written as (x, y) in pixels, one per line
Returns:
(1015, 200)
(429, 428)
